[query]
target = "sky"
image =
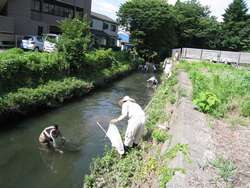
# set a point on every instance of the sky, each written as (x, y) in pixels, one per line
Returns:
(110, 7)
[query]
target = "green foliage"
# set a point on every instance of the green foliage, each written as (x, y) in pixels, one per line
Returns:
(51, 94)
(114, 48)
(161, 136)
(74, 43)
(150, 166)
(245, 108)
(195, 27)
(236, 27)
(207, 102)
(40, 79)
(97, 60)
(19, 69)
(145, 19)
(114, 171)
(223, 167)
(168, 173)
(228, 84)
(171, 99)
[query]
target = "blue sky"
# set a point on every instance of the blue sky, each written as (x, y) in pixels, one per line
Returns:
(110, 7)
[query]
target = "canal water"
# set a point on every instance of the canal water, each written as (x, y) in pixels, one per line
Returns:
(24, 164)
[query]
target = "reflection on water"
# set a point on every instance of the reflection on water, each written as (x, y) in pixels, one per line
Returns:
(23, 163)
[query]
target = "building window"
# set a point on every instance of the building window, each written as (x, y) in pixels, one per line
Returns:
(79, 11)
(113, 42)
(40, 31)
(113, 27)
(58, 10)
(91, 23)
(36, 5)
(48, 8)
(67, 12)
(105, 26)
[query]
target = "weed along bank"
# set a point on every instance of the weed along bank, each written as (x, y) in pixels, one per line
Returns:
(191, 139)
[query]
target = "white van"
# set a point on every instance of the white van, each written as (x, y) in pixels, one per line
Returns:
(49, 46)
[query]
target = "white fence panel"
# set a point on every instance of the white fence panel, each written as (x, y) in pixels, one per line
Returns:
(245, 58)
(210, 54)
(227, 56)
(235, 58)
(193, 53)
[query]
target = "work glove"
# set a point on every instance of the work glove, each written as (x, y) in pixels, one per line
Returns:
(113, 121)
(63, 138)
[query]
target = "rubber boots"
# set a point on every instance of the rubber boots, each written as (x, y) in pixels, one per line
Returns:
(126, 148)
(134, 145)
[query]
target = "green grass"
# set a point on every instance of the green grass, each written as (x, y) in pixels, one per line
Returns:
(226, 83)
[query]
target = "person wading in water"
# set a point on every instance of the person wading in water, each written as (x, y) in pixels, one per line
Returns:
(48, 137)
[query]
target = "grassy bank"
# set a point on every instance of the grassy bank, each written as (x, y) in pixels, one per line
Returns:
(142, 165)
(219, 90)
(32, 80)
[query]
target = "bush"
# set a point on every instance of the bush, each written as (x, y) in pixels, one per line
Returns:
(114, 48)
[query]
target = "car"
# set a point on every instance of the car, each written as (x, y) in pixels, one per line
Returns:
(48, 45)
(32, 42)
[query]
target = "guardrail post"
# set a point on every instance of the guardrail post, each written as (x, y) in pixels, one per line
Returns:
(219, 57)
(185, 54)
(238, 60)
(201, 54)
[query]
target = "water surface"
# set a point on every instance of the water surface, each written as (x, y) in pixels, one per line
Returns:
(23, 163)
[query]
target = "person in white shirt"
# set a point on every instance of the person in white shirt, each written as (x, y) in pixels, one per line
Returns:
(176, 56)
(153, 80)
(145, 68)
(167, 69)
(136, 122)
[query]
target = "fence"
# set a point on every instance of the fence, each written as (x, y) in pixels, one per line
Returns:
(239, 59)
(10, 41)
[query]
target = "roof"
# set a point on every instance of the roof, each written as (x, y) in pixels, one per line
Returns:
(123, 31)
(103, 17)
(99, 33)
(123, 41)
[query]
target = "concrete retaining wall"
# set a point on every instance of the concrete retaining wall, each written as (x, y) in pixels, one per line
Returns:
(188, 126)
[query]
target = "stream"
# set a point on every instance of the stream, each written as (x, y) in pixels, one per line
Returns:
(25, 164)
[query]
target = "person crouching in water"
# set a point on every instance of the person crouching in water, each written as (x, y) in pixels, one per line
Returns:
(154, 81)
(49, 135)
(136, 123)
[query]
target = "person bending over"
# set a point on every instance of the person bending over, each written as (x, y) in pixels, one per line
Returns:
(49, 135)
(136, 122)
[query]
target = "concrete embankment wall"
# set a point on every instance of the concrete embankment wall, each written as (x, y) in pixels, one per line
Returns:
(187, 126)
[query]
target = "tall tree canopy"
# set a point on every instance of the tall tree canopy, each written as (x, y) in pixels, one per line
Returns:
(151, 24)
(195, 27)
(236, 27)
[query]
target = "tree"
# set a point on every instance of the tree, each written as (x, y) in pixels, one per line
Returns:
(235, 27)
(195, 27)
(151, 24)
(74, 42)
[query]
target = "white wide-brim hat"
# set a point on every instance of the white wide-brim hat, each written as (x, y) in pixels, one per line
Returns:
(126, 98)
